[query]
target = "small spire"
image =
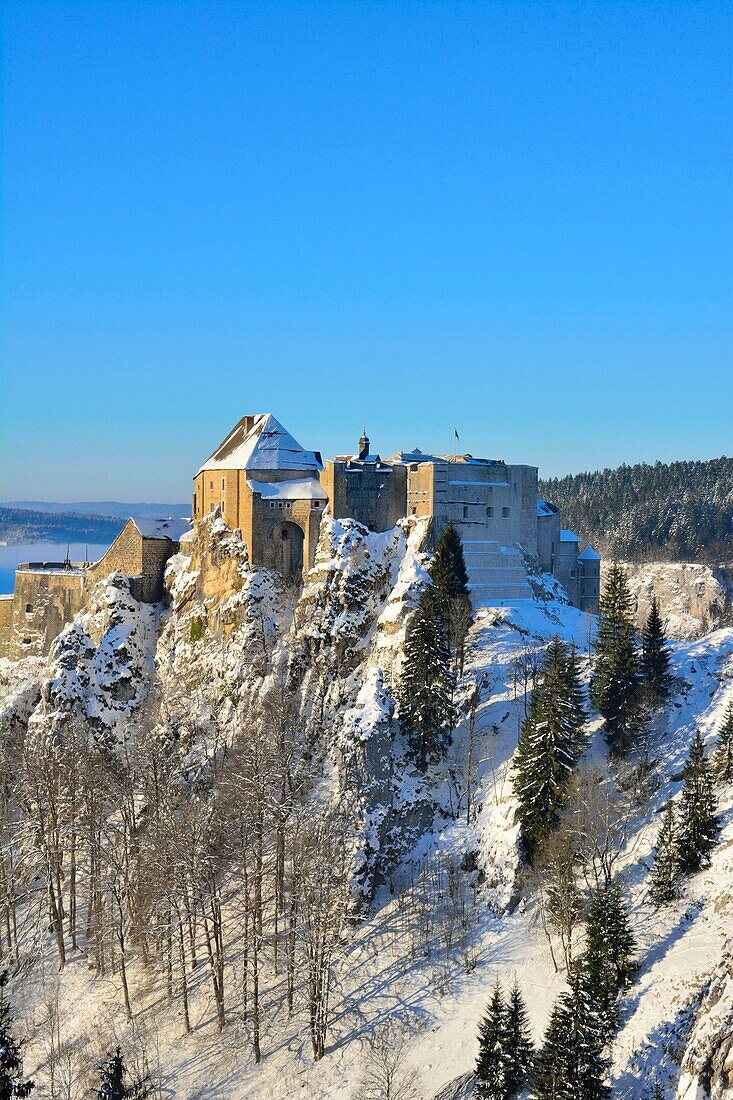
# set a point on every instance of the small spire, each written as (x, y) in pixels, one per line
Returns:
(364, 445)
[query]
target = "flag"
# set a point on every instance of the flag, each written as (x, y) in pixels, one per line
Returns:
(455, 432)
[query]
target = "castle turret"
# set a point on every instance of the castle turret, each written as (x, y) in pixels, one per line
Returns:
(363, 445)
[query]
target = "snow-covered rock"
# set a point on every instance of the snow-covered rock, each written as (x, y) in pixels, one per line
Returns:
(691, 597)
(100, 668)
(707, 1064)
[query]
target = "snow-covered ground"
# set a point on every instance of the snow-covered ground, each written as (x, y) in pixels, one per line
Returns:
(347, 633)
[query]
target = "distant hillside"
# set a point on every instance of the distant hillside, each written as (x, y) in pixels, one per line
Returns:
(118, 509)
(24, 525)
(678, 511)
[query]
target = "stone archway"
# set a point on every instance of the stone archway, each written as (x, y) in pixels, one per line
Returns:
(289, 539)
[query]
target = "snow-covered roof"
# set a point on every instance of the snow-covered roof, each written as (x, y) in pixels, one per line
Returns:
(568, 536)
(544, 508)
(408, 458)
(261, 443)
(353, 462)
(162, 528)
(589, 554)
(300, 488)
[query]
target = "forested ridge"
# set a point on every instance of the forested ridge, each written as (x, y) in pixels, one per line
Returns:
(677, 511)
(24, 525)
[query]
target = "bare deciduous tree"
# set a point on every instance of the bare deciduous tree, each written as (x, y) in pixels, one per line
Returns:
(387, 1075)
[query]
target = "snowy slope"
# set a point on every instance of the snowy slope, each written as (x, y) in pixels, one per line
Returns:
(230, 632)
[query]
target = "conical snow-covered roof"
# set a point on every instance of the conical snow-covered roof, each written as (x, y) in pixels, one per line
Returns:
(261, 443)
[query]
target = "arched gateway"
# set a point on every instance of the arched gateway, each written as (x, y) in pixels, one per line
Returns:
(289, 538)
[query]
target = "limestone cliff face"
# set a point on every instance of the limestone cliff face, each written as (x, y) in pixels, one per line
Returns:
(354, 601)
(20, 690)
(349, 643)
(691, 597)
(707, 1064)
(99, 669)
(233, 633)
(218, 643)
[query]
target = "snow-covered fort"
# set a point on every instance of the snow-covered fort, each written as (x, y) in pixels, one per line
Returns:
(275, 492)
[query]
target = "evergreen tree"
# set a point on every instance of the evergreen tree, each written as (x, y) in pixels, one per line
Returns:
(698, 824)
(450, 592)
(517, 1052)
(607, 963)
(112, 1081)
(723, 756)
(665, 874)
(490, 1070)
(11, 1062)
(571, 1065)
(549, 746)
(616, 684)
(577, 699)
(448, 570)
(725, 618)
(426, 685)
(655, 656)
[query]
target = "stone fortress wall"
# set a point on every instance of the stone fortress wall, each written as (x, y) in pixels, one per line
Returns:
(492, 504)
(48, 595)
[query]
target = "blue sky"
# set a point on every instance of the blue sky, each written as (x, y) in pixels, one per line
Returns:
(510, 218)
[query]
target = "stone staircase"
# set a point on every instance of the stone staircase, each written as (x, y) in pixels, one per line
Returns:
(496, 574)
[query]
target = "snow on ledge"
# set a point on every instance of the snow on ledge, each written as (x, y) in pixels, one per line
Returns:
(300, 488)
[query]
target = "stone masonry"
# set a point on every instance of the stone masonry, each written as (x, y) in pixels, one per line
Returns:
(47, 595)
(274, 492)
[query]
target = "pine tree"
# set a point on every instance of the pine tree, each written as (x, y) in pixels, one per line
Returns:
(665, 874)
(11, 1062)
(549, 747)
(723, 756)
(697, 824)
(577, 699)
(655, 656)
(517, 1052)
(616, 684)
(450, 592)
(608, 963)
(112, 1081)
(490, 1062)
(725, 618)
(571, 1065)
(426, 685)
(448, 570)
